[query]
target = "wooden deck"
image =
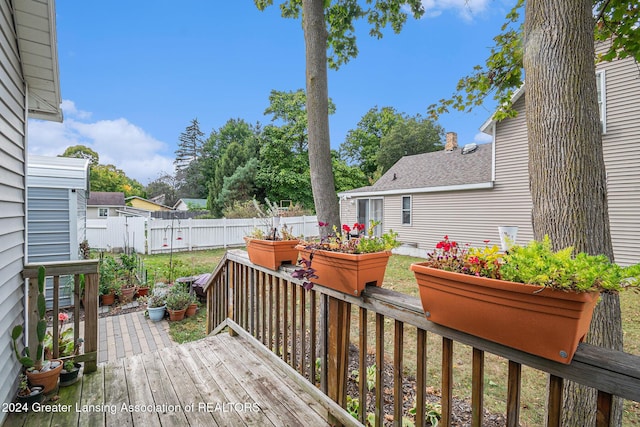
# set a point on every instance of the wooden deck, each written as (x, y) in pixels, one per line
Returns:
(220, 380)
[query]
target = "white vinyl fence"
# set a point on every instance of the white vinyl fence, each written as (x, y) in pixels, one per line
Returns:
(152, 236)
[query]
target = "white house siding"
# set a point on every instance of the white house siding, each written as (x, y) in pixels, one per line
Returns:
(12, 198)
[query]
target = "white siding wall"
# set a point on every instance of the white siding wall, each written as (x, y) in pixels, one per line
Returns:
(12, 198)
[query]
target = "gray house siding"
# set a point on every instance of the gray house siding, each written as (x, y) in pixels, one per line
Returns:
(12, 195)
(49, 225)
(621, 144)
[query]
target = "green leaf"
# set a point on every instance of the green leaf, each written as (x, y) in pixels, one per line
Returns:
(16, 332)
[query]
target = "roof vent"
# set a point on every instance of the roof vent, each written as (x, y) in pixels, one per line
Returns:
(469, 148)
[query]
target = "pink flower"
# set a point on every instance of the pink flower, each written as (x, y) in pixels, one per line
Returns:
(322, 224)
(63, 317)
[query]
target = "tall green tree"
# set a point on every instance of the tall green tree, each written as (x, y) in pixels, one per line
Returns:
(554, 47)
(362, 144)
(241, 186)
(230, 146)
(412, 136)
(189, 145)
(165, 184)
(330, 25)
(110, 178)
(82, 152)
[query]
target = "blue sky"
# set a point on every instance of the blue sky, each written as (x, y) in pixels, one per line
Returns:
(134, 74)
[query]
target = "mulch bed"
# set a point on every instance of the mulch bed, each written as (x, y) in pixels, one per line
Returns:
(461, 411)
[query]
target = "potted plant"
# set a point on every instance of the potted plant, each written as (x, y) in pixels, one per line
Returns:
(273, 247)
(177, 301)
(39, 372)
(67, 348)
(530, 298)
(28, 395)
(107, 286)
(346, 261)
(192, 308)
(156, 307)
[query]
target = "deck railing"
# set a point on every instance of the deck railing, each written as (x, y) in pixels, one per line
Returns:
(89, 296)
(311, 331)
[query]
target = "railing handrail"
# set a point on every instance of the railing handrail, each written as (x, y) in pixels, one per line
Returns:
(611, 371)
(75, 268)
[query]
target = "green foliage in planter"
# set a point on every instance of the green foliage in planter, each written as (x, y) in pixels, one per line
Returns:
(177, 300)
(155, 301)
(537, 264)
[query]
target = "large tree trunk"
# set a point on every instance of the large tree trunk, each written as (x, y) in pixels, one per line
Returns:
(566, 164)
(322, 183)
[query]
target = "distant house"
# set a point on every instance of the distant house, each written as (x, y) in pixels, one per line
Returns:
(31, 89)
(104, 204)
(191, 204)
(141, 203)
(468, 196)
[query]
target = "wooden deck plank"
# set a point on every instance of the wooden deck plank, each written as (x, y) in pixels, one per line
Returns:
(187, 394)
(162, 390)
(92, 400)
(260, 383)
(139, 391)
(286, 383)
(68, 397)
(213, 393)
(115, 393)
(225, 389)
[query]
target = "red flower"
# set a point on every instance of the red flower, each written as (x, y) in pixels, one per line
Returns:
(322, 224)
(346, 228)
(440, 245)
(446, 237)
(486, 241)
(447, 247)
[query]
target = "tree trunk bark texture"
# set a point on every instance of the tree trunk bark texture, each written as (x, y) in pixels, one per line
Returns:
(566, 163)
(322, 182)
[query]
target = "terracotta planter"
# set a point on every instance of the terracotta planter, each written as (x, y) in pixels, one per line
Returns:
(272, 253)
(191, 310)
(48, 379)
(142, 291)
(175, 315)
(540, 321)
(348, 273)
(108, 299)
(126, 294)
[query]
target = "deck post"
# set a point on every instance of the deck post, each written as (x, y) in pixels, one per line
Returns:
(338, 350)
(91, 320)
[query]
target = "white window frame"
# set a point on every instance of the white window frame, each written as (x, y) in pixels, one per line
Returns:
(106, 211)
(403, 210)
(602, 98)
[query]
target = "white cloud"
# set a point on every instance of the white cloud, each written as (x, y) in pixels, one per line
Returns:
(117, 142)
(467, 9)
(482, 138)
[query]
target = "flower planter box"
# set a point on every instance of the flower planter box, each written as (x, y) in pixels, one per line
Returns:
(348, 273)
(272, 253)
(537, 320)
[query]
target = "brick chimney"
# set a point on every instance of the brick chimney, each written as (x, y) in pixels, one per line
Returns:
(452, 141)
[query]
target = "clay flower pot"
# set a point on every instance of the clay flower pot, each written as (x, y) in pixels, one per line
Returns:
(537, 320)
(48, 379)
(272, 253)
(175, 315)
(348, 273)
(108, 299)
(191, 310)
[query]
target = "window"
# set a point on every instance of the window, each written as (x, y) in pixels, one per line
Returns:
(370, 210)
(602, 99)
(406, 210)
(103, 212)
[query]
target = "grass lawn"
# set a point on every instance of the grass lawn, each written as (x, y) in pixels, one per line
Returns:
(399, 278)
